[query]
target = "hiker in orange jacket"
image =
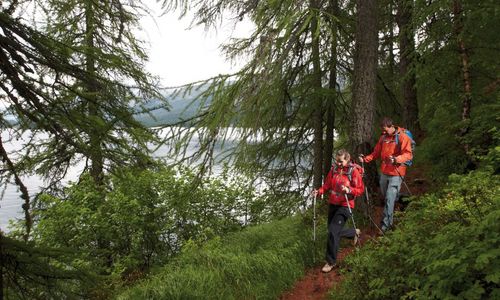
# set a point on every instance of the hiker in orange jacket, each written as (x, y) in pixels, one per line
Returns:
(393, 155)
(344, 179)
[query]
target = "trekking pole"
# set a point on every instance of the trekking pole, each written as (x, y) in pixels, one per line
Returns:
(314, 226)
(352, 215)
(368, 200)
(370, 215)
(314, 218)
(369, 206)
(404, 182)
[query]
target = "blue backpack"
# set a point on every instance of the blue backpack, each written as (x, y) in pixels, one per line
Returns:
(412, 141)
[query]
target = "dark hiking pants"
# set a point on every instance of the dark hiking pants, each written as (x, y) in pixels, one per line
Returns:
(337, 216)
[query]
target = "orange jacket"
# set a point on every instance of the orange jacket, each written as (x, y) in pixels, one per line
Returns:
(336, 179)
(386, 147)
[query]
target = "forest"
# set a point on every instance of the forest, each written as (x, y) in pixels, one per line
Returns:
(232, 218)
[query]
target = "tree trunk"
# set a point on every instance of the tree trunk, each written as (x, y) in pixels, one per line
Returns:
(464, 57)
(391, 40)
(332, 85)
(365, 67)
(364, 90)
(95, 152)
(407, 65)
(317, 101)
(26, 206)
(1, 265)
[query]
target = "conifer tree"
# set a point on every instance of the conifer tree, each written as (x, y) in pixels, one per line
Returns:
(365, 65)
(457, 50)
(280, 95)
(316, 99)
(105, 34)
(72, 87)
(71, 84)
(277, 98)
(365, 75)
(331, 102)
(407, 66)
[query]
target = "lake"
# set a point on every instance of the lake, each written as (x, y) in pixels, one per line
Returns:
(11, 202)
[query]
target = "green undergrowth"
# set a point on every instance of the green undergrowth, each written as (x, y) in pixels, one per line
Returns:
(259, 262)
(446, 247)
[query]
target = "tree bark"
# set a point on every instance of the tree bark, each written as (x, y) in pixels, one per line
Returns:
(464, 57)
(365, 67)
(365, 76)
(332, 85)
(317, 101)
(407, 65)
(391, 40)
(1, 265)
(95, 155)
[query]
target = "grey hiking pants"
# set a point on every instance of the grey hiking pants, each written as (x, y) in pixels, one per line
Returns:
(389, 186)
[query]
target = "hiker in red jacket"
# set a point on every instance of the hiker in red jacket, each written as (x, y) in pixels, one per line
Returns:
(394, 149)
(344, 179)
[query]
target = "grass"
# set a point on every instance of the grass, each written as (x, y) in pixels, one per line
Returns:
(259, 262)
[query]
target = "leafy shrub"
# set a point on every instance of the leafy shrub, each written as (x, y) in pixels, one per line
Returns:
(272, 205)
(448, 246)
(144, 218)
(257, 263)
(492, 160)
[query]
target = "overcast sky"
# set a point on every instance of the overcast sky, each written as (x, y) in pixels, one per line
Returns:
(180, 55)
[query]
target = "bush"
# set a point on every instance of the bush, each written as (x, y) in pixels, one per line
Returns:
(142, 219)
(448, 246)
(257, 263)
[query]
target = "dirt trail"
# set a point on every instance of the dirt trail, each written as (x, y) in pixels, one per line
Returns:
(316, 284)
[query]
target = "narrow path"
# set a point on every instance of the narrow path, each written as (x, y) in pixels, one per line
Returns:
(316, 284)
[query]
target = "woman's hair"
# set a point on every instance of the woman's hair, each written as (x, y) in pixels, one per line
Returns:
(386, 122)
(344, 154)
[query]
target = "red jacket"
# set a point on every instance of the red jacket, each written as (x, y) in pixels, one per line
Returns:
(336, 179)
(386, 147)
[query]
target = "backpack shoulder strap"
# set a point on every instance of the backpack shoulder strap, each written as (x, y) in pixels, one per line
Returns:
(398, 129)
(349, 171)
(384, 136)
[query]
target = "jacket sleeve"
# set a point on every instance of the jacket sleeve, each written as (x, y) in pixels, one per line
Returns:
(357, 186)
(376, 152)
(327, 185)
(405, 153)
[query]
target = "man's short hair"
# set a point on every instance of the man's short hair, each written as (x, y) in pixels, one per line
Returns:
(386, 122)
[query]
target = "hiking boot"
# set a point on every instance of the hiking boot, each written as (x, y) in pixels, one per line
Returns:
(356, 237)
(327, 267)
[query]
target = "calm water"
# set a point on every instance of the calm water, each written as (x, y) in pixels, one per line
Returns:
(11, 202)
